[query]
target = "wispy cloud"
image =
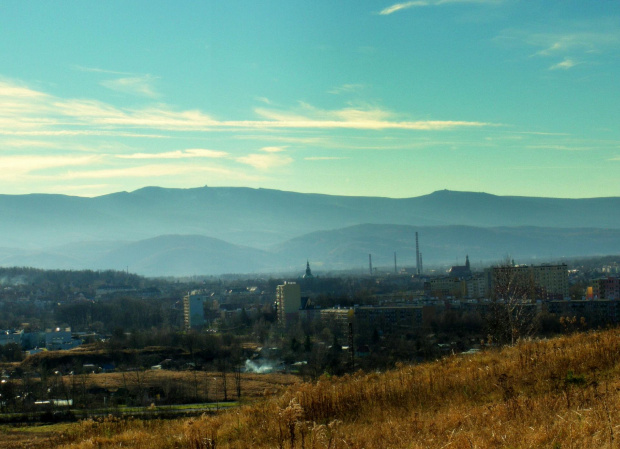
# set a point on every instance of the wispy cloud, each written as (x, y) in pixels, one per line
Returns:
(553, 44)
(564, 65)
(78, 132)
(14, 90)
(273, 149)
(265, 161)
(143, 171)
(16, 143)
(353, 118)
(35, 113)
(346, 88)
(135, 85)
(324, 158)
(560, 147)
(179, 154)
(100, 70)
(420, 3)
(22, 164)
(574, 47)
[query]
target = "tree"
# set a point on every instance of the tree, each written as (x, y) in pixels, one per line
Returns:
(512, 312)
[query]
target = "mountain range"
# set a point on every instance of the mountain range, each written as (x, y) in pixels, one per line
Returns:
(214, 230)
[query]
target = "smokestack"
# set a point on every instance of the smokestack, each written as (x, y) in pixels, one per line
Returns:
(370, 263)
(421, 269)
(417, 254)
(395, 267)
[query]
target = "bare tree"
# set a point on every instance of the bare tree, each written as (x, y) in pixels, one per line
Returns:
(512, 312)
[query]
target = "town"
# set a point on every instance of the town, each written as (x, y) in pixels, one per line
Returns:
(85, 323)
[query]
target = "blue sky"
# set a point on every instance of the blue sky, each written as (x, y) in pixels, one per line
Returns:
(339, 97)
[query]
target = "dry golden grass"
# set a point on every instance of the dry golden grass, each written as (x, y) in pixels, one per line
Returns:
(561, 393)
(207, 384)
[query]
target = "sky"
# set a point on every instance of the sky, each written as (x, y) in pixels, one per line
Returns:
(346, 97)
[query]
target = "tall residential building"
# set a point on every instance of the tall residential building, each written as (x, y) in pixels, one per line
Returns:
(288, 301)
(534, 282)
(193, 310)
(477, 286)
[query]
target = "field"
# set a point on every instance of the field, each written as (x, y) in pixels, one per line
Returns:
(560, 393)
(205, 384)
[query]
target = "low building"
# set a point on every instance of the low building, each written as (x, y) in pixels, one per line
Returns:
(60, 339)
(391, 318)
(443, 287)
(606, 288)
(597, 312)
(11, 336)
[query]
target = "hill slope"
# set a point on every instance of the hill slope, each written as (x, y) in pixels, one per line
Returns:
(558, 393)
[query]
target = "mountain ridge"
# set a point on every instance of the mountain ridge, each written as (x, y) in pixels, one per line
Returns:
(340, 249)
(270, 221)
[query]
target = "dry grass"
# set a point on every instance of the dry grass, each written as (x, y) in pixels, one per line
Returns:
(562, 393)
(207, 384)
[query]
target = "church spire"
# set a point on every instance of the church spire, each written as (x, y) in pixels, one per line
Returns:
(308, 271)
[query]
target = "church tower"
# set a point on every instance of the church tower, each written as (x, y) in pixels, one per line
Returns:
(308, 274)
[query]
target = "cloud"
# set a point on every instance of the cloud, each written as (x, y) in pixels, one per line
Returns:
(564, 65)
(324, 158)
(8, 89)
(139, 85)
(413, 4)
(27, 143)
(22, 164)
(586, 44)
(273, 149)
(79, 132)
(558, 43)
(184, 154)
(346, 88)
(265, 161)
(99, 70)
(399, 6)
(560, 147)
(143, 171)
(24, 111)
(351, 118)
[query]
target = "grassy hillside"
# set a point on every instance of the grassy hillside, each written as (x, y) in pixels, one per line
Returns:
(561, 393)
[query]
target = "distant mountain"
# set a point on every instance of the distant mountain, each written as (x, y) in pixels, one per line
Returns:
(167, 255)
(157, 231)
(349, 247)
(261, 218)
(179, 255)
